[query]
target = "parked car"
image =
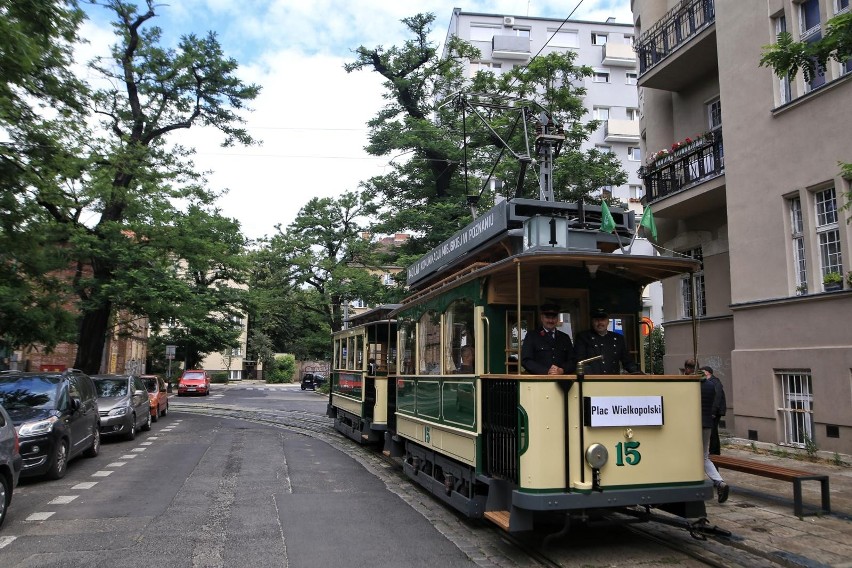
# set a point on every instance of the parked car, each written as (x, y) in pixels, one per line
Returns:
(195, 381)
(124, 405)
(158, 395)
(56, 416)
(312, 381)
(10, 462)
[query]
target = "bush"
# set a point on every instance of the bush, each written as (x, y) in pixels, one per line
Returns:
(282, 371)
(219, 377)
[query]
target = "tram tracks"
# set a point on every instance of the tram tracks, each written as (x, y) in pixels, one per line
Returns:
(493, 546)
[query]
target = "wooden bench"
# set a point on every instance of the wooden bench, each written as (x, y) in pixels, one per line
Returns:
(796, 476)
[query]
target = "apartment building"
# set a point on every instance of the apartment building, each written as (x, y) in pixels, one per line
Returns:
(507, 41)
(741, 170)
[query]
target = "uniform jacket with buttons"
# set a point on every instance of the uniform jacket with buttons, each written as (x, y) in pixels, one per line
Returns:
(611, 346)
(541, 350)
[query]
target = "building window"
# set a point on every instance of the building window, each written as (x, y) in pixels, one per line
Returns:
(686, 289)
(629, 40)
(521, 32)
(598, 39)
(842, 6)
(828, 233)
(714, 114)
(632, 114)
(237, 352)
(809, 18)
(603, 148)
(480, 32)
(477, 66)
(785, 95)
(636, 192)
(235, 375)
(797, 230)
(601, 113)
(796, 409)
(634, 154)
(631, 78)
(601, 77)
(562, 38)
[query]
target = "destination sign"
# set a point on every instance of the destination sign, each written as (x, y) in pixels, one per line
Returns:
(481, 230)
(623, 411)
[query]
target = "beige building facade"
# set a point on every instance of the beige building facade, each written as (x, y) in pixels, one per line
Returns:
(741, 171)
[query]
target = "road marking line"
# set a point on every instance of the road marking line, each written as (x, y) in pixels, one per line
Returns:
(86, 485)
(116, 464)
(40, 516)
(154, 438)
(138, 449)
(102, 473)
(6, 540)
(146, 443)
(128, 456)
(62, 499)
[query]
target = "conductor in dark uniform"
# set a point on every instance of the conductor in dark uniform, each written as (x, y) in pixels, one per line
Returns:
(548, 351)
(600, 341)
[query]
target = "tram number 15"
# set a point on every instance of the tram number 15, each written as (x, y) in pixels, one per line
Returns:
(627, 453)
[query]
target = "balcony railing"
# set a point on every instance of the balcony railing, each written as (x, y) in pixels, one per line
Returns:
(677, 27)
(685, 167)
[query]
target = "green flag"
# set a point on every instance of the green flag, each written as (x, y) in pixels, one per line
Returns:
(648, 222)
(607, 222)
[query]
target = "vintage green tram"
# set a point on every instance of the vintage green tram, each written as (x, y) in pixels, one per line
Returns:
(485, 436)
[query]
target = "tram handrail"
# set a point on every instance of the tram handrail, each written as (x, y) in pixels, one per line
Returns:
(485, 319)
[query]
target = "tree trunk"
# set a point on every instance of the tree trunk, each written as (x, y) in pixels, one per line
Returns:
(90, 344)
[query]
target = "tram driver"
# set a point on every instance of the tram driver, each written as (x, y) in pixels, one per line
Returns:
(548, 351)
(600, 341)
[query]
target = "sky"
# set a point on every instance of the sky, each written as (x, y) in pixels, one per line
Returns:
(310, 116)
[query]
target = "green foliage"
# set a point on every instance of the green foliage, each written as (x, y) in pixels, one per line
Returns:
(655, 350)
(837, 460)
(120, 216)
(219, 377)
(282, 370)
(832, 278)
(811, 447)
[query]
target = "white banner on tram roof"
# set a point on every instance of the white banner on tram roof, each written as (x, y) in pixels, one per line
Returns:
(623, 411)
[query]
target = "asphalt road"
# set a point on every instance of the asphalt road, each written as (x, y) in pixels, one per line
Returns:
(199, 491)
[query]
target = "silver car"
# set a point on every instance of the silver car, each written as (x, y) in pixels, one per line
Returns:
(123, 405)
(10, 462)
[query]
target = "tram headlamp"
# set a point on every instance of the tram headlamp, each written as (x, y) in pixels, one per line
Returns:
(596, 456)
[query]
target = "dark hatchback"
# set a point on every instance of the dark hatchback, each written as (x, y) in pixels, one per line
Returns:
(56, 416)
(312, 381)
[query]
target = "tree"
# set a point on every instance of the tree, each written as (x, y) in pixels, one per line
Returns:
(786, 57)
(35, 55)
(443, 151)
(321, 262)
(126, 175)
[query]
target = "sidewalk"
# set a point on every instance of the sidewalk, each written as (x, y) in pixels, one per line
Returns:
(759, 512)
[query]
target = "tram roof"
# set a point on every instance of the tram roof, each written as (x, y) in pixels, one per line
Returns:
(373, 315)
(642, 269)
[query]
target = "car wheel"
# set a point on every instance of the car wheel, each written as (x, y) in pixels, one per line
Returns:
(5, 497)
(60, 461)
(156, 415)
(166, 409)
(95, 448)
(147, 426)
(131, 434)
(303, 388)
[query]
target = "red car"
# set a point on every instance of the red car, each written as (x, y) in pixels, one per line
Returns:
(196, 381)
(157, 394)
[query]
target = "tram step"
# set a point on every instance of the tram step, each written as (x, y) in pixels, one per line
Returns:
(499, 518)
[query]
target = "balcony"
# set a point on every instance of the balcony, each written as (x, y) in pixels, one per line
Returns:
(690, 165)
(510, 47)
(618, 55)
(622, 131)
(680, 47)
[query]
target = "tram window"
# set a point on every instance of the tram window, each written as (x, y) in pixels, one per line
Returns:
(458, 329)
(359, 352)
(406, 339)
(429, 343)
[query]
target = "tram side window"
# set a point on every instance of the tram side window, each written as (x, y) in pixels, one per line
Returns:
(407, 348)
(350, 352)
(359, 352)
(429, 339)
(458, 325)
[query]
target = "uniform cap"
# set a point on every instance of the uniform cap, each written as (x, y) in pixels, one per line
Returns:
(708, 369)
(599, 313)
(549, 309)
